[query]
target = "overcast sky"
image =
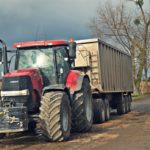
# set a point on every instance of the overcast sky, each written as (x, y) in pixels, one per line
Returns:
(23, 20)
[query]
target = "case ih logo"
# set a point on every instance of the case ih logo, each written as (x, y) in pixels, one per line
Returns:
(14, 81)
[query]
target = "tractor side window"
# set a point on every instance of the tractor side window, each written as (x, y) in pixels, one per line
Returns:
(62, 64)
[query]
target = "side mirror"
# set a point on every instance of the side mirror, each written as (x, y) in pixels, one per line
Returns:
(1, 54)
(72, 50)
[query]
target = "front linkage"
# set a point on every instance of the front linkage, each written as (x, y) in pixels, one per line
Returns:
(13, 119)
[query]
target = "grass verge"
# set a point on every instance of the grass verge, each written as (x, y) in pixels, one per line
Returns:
(137, 97)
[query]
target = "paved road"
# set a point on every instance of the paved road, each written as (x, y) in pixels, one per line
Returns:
(128, 132)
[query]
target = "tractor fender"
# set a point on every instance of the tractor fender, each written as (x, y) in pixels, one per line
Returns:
(74, 81)
(59, 87)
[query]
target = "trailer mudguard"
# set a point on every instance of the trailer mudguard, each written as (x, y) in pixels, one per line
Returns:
(74, 81)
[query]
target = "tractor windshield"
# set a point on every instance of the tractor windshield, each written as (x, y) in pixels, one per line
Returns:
(51, 62)
(38, 58)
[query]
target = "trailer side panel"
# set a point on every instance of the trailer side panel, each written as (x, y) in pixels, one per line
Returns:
(109, 68)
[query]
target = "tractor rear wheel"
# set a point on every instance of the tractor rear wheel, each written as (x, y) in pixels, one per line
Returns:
(55, 116)
(82, 109)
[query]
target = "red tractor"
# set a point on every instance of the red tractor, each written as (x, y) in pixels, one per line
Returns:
(45, 88)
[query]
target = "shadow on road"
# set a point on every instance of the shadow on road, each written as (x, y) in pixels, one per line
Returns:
(26, 140)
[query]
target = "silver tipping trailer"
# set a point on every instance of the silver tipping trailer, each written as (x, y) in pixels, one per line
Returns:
(110, 73)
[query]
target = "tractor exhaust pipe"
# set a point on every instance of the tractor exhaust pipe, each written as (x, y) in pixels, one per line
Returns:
(4, 56)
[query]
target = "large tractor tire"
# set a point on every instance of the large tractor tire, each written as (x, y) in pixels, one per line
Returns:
(82, 109)
(2, 135)
(121, 105)
(107, 110)
(99, 111)
(55, 116)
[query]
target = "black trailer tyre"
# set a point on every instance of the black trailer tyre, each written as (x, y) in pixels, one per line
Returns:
(126, 104)
(82, 109)
(129, 102)
(121, 106)
(107, 110)
(2, 135)
(55, 116)
(99, 111)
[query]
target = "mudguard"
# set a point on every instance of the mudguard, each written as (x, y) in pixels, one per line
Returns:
(49, 88)
(74, 81)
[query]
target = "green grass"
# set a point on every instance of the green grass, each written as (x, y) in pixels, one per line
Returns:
(137, 97)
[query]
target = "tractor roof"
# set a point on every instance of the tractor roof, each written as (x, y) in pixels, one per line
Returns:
(40, 43)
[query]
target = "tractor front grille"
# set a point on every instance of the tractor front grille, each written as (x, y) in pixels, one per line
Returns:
(16, 83)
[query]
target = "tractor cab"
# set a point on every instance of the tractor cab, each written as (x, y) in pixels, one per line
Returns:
(52, 58)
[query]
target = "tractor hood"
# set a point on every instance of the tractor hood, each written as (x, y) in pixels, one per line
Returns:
(22, 72)
(22, 79)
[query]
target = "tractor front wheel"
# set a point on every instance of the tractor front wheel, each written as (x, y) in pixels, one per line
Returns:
(55, 116)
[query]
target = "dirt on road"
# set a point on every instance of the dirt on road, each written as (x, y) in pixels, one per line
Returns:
(128, 132)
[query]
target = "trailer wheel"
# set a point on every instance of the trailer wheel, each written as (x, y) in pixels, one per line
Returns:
(99, 111)
(129, 102)
(126, 103)
(2, 135)
(82, 109)
(55, 116)
(121, 106)
(107, 110)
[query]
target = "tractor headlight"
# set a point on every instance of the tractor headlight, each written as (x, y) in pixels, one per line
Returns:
(15, 93)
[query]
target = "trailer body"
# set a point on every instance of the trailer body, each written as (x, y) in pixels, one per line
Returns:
(109, 68)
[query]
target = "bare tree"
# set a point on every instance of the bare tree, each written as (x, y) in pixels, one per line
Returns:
(130, 30)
